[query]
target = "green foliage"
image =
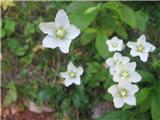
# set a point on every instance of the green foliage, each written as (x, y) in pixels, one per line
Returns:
(101, 46)
(35, 70)
(116, 115)
(77, 13)
(125, 13)
(15, 47)
(11, 95)
(155, 105)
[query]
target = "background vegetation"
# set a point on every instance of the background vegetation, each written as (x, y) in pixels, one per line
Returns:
(32, 72)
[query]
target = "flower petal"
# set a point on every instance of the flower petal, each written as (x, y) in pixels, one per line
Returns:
(144, 57)
(77, 81)
(131, 45)
(142, 39)
(49, 42)
(64, 74)
(61, 18)
(110, 62)
(48, 28)
(68, 82)
(118, 102)
(79, 70)
(130, 100)
(132, 89)
(135, 77)
(73, 32)
(113, 90)
(71, 67)
(64, 46)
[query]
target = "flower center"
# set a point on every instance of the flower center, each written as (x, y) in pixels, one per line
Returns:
(72, 74)
(140, 48)
(123, 93)
(124, 74)
(60, 33)
(114, 45)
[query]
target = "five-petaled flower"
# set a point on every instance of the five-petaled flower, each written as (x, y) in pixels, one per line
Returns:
(72, 75)
(141, 48)
(59, 33)
(117, 59)
(115, 44)
(126, 72)
(123, 93)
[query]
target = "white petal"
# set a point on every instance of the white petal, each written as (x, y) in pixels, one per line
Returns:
(68, 82)
(48, 28)
(112, 70)
(131, 44)
(117, 55)
(71, 67)
(113, 90)
(64, 74)
(73, 32)
(144, 57)
(118, 102)
(79, 70)
(49, 42)
(64, 46)
(131, 66)
(132, 89)
(152, 47)
(110, 62)
(135, 77)
(130, 100)
(77, 81)
(142, 39)
(133, 53)
(125, 60)
(62, 19)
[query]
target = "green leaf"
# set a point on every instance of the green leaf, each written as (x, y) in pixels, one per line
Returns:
(87, 37)
(147, 76)
(107, 23)
(120, 30)
(141, 20)
(66, 105)
(11, 95)
(45, 94)
(116, 115)
(16, 47)
(143, 95)
(155, 105)
(79, 98)
(29, 29)
(101, 46)
(27, 59)
(9, 26)
(144, 100)
(125, 13)
(77, 16)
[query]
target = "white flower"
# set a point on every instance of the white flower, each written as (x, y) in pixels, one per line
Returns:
(123, 93)
(115, 44)
(117, 59)
(72, 75)
(59, 33)
(141, 48)
(126, 72)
